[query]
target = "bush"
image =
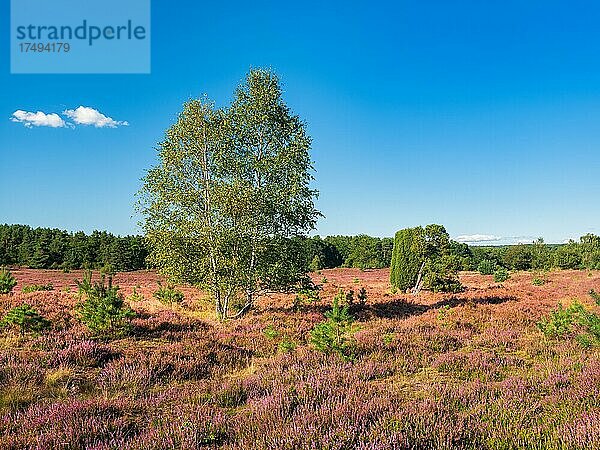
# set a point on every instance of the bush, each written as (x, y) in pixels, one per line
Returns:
(334, 335)
(7, 281)
(349, 298)
(518, 257)
(103, 310)
(306, 296)
(37, 287)
(406, 258)
(575, 319)
(486, 267)
(270, 332)
(316, 264)
(286, 345)
(501, 275)
(135, 296)
(568, 256)
(595, 296)
(26, 318)
(589, 246)
(362, 296)
(424, 258)
(441, 274)
(168, 294)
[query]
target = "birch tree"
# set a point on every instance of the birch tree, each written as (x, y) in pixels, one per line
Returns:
(230, 198)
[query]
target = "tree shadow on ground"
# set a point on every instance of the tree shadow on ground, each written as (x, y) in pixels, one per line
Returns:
(317, 307)
(400, 308)
(403, 308)
(150, 326)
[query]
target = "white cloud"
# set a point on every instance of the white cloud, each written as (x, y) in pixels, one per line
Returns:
(468, 238)
(523, 240)
(38, 119)
(83, 115)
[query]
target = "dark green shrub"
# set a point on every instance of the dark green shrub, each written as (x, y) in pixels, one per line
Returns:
(590, 251)
(349, 300)
(568, 256)
(441, 274)
(168, 294)
(26, 319)
(501, 275)
(518, 257)
(37, 287)
(108, 269)
(316, 264)
(103, 309)
(486, 267)
(464, 253)
(407, 258)
(7, 281)
(335, 334)
(424, 258)
(541, 256)
(559, 323)
(362, 296)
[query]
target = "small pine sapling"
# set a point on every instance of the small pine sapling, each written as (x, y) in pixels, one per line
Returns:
(501, 275)
(135, 296)
(7, 281)
(335, 334)
(486, 267)
(362, 296)
(306, 296)
(103, 309)
(168, 294)
(37, 288)
(26, 319)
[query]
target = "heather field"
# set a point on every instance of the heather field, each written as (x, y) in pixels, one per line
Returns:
(466, 371)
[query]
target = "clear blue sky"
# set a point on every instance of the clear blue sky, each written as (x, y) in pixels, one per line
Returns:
(482, 116)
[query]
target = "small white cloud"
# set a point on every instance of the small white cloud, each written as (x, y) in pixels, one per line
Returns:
(84, 115)
(38, 119)
(523, 241)
(517, 240)
(468, 238)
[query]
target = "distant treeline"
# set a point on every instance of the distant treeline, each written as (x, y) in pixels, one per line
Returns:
(367, 252)
(584, 254)
(45, 248)
(362, 251)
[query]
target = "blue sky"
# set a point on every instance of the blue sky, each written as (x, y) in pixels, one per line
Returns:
(482, 116)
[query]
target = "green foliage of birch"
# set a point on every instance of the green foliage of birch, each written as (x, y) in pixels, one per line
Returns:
(230, 198)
